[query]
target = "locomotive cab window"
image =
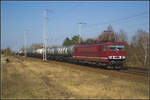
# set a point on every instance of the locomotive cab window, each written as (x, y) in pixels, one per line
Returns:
(116, 47)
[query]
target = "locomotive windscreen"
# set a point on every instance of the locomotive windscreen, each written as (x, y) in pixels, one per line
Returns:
(114, 47)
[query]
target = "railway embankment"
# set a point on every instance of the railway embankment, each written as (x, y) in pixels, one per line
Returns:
(33, 78)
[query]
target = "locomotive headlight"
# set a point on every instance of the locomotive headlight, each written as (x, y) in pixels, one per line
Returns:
(110, 57)
(123, 57)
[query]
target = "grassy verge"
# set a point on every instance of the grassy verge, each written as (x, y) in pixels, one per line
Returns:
(29, 78)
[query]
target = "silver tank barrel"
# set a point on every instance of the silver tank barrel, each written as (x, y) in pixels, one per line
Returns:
(60, 51)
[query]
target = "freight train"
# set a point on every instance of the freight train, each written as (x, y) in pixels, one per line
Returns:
(107, 54)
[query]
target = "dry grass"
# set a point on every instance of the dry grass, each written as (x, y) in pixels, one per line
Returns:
(36, 79)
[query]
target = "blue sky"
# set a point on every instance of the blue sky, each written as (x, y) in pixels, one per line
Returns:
(63, 17)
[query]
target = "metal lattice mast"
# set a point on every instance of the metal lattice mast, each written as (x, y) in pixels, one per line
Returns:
(44, 34)
(79, 31)
(25, 44)
(80, 25)
(17, 48)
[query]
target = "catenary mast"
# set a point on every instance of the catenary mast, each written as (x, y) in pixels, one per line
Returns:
(45, 18)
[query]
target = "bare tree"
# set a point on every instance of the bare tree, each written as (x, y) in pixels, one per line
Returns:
(36, 46)
(121, 36)
(88, 41)
(143, 40)
(140, 41)
(107, 36)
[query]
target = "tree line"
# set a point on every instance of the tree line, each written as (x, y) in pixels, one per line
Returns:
(137, 50)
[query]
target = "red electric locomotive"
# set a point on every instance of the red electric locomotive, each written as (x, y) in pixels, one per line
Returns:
(110, 54)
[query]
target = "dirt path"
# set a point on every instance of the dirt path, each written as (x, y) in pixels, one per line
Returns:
(29, 78)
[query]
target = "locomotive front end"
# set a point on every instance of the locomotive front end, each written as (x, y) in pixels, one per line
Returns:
(116, 55)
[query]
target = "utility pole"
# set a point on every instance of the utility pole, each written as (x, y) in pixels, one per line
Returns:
(17, 48)
(25, 44)
(80, 26)
(18, 51)
(45, 18)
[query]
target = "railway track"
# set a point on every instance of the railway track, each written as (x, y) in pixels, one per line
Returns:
(93, 67)
(136, 71)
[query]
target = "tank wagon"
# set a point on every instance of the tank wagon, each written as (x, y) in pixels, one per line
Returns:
(60, 53)
(109, 54)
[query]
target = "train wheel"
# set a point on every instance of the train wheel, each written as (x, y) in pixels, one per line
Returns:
(117, 67)
(109, 67)
(123, 67)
